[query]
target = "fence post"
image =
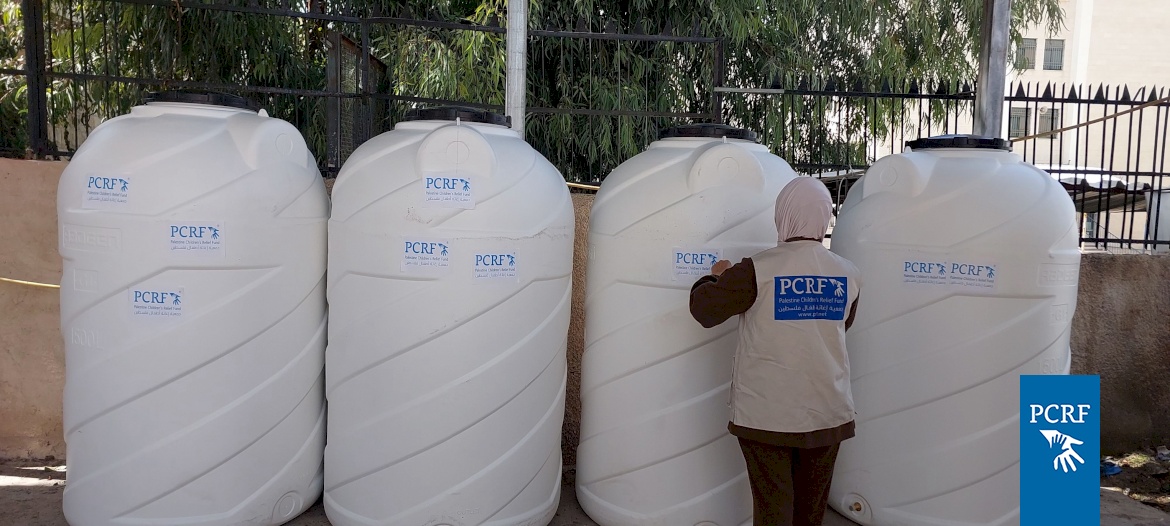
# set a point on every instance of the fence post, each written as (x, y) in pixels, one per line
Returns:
(1158, 217)
(997, 19)
(333, 104)
(516, 85)
(719, 72)
(365, 109)
(34, 67)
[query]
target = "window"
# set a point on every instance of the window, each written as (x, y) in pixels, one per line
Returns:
(1054, 54)
(1049, 120)
(1026, 54)
(1018, 123)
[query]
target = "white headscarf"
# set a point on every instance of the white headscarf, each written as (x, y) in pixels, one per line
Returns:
(803, 209)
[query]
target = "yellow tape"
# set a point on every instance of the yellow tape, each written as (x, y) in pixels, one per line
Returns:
(583, 186)
(30, 283)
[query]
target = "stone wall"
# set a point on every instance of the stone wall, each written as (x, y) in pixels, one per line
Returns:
(32, 364)
(1121, 331)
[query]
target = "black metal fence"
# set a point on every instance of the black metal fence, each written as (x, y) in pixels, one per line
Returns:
(1107, 145)
(343, 76)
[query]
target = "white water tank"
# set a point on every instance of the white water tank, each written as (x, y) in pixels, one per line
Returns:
(655, 449)
(450, 269)
(970, 259)
(193, 310)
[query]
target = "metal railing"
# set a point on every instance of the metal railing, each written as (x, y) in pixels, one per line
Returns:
(596, 97)
(340, 76)
(1107, 145)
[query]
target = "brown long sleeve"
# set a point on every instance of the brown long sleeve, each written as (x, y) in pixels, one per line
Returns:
(714, 299)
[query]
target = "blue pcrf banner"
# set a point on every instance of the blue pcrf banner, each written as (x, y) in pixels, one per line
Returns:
(1060, 450)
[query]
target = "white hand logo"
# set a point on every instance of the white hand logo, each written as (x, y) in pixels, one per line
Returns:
(1065, 458)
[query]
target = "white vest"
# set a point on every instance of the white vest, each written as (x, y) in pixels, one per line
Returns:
(791, 372)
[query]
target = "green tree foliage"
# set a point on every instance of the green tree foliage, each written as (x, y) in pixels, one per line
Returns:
(768, 43)
(781, 43)
(94, 37)
(177, 45)
(13, 105)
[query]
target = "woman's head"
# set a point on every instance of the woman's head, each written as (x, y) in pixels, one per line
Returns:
(803, 209)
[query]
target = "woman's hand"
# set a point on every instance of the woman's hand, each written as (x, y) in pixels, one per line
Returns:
(720, 266)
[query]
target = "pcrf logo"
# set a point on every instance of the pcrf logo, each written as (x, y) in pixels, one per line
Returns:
(448, 183)
(695, 258)
(108, 183)
(495, 260)
(151, 297)
(809, 285)
(1060, 437)
(925, 267)
(1051, 414)
(423, 247)
(194, 232)
(979, 271)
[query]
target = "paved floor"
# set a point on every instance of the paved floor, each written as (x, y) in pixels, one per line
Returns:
(30, 495)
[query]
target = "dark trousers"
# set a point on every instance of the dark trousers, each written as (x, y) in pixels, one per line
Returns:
(790, 486)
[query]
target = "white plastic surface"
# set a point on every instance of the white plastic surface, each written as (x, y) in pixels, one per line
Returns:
(193, 311)
(939, 342)
(655, 384)
(448, 329)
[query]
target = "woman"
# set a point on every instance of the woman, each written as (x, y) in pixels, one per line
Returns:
(791, 404)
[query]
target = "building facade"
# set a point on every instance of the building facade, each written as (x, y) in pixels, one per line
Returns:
(1111, 49)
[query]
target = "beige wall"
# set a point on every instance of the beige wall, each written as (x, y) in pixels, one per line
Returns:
(1121, 330)
(32, 371)
(571, 434)
(1129, 42)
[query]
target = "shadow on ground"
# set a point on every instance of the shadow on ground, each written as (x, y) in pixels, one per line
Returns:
(30, 495)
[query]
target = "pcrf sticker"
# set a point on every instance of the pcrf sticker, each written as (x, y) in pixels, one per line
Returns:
(106, 192)
(811, 297)
(925, 272)
(694, 262)
(425, 254)
(973, 274)
(448, 192)
(195, 238)
(156, 303)
(950, 273)
(496, 266)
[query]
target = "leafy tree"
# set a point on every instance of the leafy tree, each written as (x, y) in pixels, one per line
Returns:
(789, 44)
(13, 107)
(150, 42)
(777, 43)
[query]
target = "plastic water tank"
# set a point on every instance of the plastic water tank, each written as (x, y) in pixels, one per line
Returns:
(655, 385)
(970, 260)
(193, 310)
(450, 265)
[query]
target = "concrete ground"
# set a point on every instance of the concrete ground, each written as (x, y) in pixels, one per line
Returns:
(30, 495)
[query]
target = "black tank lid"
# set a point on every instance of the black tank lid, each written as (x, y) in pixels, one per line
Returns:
(450, 113)
(960, 141)
(714, 131)
(202, 97)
